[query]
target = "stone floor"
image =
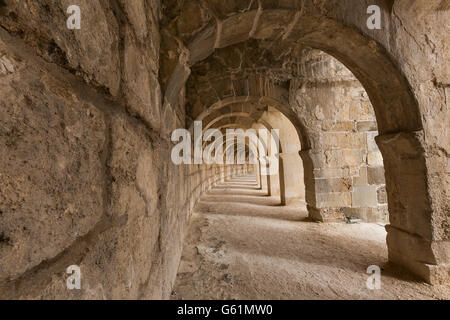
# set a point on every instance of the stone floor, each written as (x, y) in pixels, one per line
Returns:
(242, 245)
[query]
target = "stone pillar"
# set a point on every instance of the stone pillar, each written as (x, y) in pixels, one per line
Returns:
(257, 172)
(308, 178)
(418, 231)
(274, 183)
(227, 172)
(291, 178)
(268, 179)
(323, 205)
(222, 173)
(263, 179)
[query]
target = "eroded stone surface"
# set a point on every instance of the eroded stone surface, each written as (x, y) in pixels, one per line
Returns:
(52, 172)
(86, 117)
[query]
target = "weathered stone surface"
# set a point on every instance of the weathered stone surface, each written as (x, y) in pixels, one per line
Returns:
(133, 239)
(341, 126)
(341, 199)
(141, 85)
(52, 182)
(82, 185)
(86, 117)
(361, 179)
(366, 126)
(382, 195)
(364, 196)
(375, 175)
(379, 214)
(375, 159)
(93, 50)
(406, 209)
(333, 185)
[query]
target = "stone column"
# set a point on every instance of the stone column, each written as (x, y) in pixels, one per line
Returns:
(257, 172)
(222, 174)
(274, 183)
(323, 205)
(418, 231)
(292, 181)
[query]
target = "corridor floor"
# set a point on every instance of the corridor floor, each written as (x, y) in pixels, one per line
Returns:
(242, 245)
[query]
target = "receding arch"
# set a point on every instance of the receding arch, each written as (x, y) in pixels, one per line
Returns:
(367, 60)
(281, 106)
(401, 140)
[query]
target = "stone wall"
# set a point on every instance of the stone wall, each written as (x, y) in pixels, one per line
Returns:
(86, 176)
(347, 167)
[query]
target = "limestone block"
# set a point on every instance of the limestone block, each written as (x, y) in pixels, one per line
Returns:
(428, 259)
(362, 110)
(361, 179)
(341, 199)
(118, 261)
(236, 28)
(270, 23)
(343, 112)
(52, 172)
(371, 144)
(326, 214)
(193, 18)
(333, 185)
(363, 126)
(405, 174)
(382, 195)
(344, 139)
(203, 45)
(224, 9)
(331, 172)
(375, 159)
(141, 85)
(364, 196)
(354, 170)
(93, 51)
(375, 175)
(353, 157)
(340, 126)
(331, 159)
(376, 215)
(6, 65)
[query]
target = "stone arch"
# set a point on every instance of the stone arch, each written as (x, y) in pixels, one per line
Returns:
(263, 181)
(233, 124)
(277, 184)
(411, 233)
(367, 60)
(291, 169)
(280, 105)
